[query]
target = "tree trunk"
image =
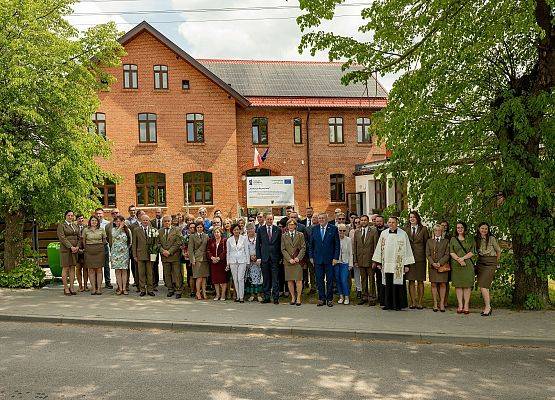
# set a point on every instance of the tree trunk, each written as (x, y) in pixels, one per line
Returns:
(13, 239)
(527, 280)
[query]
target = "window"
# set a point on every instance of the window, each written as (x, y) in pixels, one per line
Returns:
(185, 84)
(147, 128)
(198, 187)
(297, 131)
(160, 77)
(401, 195)
(363, 130)
(379, 194)
(337, 187)
(130, 76)
(151, 189)
(336, 129)
(107, 196)
(99, 120)
(195, 128)
(260, 130)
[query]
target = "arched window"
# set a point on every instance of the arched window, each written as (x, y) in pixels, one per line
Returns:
(197, 187)
(258, 172)
(195, 128)
(151, 189)
(337, 187)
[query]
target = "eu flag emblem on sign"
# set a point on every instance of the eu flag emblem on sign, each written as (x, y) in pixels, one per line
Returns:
(287, 181)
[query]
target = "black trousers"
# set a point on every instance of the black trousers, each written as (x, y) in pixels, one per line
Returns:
(379, 285)
(395, 296)
(270, 277)
(155, 272)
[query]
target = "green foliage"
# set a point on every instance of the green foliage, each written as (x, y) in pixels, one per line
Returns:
(503, 283)
(27, 274)
(471, 118)
(50, 75)
(393, 210)
(534, 302)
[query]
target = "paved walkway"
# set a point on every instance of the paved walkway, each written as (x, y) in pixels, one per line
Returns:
(504, 327)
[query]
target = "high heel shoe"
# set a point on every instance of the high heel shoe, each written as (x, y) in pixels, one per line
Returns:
(459, 310)
(466, 312)
(483, 314)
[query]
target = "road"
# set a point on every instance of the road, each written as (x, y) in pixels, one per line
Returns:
(46, 361)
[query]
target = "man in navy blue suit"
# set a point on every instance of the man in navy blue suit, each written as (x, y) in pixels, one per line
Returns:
(323, 249)
(268, 256)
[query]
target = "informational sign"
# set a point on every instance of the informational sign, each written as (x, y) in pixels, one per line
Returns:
(270, 191)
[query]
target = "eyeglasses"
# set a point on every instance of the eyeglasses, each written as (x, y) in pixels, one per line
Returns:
(341, 219)
(342, 230)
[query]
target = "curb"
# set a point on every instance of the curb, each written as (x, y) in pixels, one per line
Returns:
(411, 337)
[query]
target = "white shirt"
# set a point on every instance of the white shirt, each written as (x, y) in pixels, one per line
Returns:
(393, 252)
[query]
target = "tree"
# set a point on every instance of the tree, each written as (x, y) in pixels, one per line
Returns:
(49, 78)
(470, 120)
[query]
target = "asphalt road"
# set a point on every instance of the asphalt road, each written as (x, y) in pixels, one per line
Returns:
(44, 361)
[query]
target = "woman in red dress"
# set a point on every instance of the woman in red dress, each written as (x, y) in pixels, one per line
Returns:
(217, 251)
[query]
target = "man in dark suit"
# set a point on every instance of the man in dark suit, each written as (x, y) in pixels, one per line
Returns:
(324, 253)
(268, 256)
(156, 224)
(311, 276)
(170, 241)
(308, 220)
(259, 221)
(283, 221)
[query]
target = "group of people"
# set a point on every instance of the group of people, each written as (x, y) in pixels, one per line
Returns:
(263, 259)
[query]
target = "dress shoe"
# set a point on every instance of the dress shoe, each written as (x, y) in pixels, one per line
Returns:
(385, 308)
(276, 301)
(108, 286)
(170, 294)
(330, 303)
(142, 294)
(151, 294)
(359, 295)
(177, 295)
(320, 303)
(371, 303)
(192, 295)
(363, 301)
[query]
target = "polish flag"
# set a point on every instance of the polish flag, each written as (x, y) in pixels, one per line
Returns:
(257, 159)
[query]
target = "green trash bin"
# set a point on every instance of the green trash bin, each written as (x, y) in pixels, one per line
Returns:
(53, 253)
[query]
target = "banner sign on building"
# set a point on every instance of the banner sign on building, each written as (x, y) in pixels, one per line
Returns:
(270, 191)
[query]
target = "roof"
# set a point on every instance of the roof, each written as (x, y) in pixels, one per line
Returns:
(278, 83)
(145, 26)
(290, 79)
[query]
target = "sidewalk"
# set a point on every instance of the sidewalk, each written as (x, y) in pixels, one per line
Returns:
(504, 327)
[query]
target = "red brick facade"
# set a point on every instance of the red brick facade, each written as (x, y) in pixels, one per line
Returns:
(227, 151)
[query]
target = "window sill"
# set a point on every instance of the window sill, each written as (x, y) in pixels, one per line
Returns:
(196, 143)
(130, 89)
(151, 207)
(148, 144)
(253, 145)
(364, 144)
(200, 206)
(338, 202)
(337, 144)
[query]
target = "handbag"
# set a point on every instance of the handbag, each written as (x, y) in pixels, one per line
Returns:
(444, 268)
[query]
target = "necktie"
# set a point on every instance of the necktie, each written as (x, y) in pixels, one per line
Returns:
(270, 232)
(167, 232)
(292, 235)
(363, 234)
(437, 239)
(146, 235)
(413, 230)
(322, 232)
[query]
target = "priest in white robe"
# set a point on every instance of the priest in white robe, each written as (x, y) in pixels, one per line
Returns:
(392, 256)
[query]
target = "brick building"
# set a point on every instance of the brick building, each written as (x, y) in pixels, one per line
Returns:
(178, 123)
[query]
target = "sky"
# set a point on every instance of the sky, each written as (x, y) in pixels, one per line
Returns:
(203, 32)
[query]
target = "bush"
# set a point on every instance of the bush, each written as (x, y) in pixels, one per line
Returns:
(503, 284)
(27, 274)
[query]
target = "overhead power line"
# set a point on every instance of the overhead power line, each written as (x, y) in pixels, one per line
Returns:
(203, 10)
(215, 20)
